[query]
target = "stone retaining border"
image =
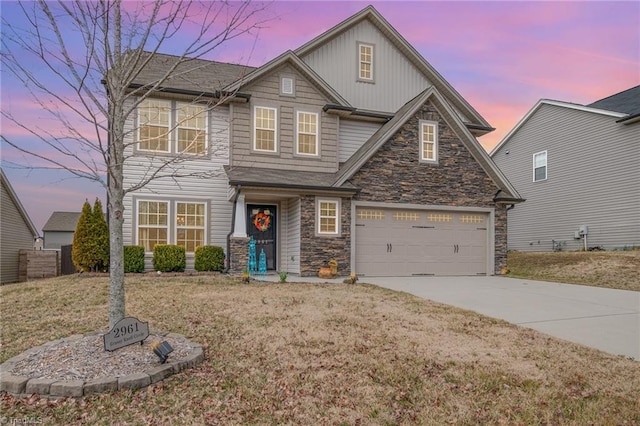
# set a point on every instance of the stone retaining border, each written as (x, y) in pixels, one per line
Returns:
(23, 386)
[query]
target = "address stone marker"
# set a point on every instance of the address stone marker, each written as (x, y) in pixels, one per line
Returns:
(127, 331)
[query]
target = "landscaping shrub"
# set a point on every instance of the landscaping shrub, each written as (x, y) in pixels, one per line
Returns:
(209, 258)
(90, 250)
(169, 258)
(133, 259)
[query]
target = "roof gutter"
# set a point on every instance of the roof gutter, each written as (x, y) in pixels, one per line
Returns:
(295, 186)
(242, 97)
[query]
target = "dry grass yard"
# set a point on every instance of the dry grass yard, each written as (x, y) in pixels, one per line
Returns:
(305, 354)
(612, 269)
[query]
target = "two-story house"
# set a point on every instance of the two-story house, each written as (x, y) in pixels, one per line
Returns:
(578, 166)
(352, 147)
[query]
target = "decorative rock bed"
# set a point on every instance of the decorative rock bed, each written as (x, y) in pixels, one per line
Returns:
(78, 365)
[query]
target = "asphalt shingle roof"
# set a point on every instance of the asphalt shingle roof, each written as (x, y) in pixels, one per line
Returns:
(62, 222)
(255, 176)
(627, 101)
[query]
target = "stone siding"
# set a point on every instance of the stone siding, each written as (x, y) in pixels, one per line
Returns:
(238, 254)
(395, 175)
(316, 251)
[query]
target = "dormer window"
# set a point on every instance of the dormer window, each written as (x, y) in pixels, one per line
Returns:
(365, 62)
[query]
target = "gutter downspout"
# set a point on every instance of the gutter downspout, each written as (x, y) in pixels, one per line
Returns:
(233, 227)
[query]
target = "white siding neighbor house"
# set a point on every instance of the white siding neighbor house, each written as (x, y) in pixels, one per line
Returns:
(374, 164)
(578, 167)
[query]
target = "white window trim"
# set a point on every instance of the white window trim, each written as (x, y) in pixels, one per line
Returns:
(178, 127)
(275, 130)
(317, 134)
(172, 128)
(293, 85)
(139, 127)
(137, 225)
(546, 168)
(172, 218)
(436, 143)
(337, 202)
(359, 62)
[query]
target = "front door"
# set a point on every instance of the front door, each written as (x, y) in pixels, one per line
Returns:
(261, 225)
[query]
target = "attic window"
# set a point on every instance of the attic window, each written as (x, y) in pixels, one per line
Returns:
(287, 86)
(428, 141)
(365, 62)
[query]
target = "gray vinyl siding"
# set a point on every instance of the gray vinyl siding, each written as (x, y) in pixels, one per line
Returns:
(211, 190)
(54, 240)
(15, 235)
(593, 179)
(352, 135)
(396, 79)
(266, 93)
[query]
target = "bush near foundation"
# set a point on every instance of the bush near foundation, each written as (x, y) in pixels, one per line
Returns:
(209, 258)
(133, 259)
(169, 258)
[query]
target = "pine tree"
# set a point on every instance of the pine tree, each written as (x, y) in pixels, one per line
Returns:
(100, 235)
(82, 239)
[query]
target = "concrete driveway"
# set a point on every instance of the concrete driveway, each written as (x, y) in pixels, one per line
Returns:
(600, 318)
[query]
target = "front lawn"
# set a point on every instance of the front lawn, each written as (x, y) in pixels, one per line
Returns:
(328, 354)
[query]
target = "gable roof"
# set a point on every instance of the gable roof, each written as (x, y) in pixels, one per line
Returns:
(16, 201)
(62, 222)
(543, 102)
(292, 59)
(369, 148)
(372, 15)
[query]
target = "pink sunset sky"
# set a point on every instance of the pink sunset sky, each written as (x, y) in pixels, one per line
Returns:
(502, 57)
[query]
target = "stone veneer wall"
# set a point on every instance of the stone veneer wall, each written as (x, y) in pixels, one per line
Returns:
(395, 175)
(239, 254)
(316, 251)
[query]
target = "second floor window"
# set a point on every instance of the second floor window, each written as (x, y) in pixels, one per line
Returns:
(172, 127)
(540, 166)
(265, 134)
(428, 142)
(307, 133)
(365, 61)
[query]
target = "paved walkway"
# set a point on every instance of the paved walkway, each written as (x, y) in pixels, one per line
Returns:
(601, 318)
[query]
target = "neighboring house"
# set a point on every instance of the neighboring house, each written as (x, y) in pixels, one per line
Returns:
(59, 229)
(373, 163)
(578, 168)
(17, 232)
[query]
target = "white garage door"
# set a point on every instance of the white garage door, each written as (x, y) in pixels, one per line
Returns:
(397, 242)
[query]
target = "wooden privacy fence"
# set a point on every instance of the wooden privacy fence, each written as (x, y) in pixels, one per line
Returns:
(35, 264)
(66, 261)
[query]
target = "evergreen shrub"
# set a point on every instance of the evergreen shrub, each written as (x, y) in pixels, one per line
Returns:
(209, 258)
(133, 259)
(169, 258)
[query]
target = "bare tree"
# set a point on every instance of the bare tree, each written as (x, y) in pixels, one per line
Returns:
(89, 59)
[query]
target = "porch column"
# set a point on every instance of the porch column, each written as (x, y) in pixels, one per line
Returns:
(240, 228)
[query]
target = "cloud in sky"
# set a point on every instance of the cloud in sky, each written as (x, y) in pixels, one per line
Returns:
(501, 56)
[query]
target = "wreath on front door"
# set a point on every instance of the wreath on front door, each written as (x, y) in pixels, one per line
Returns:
(262, 221)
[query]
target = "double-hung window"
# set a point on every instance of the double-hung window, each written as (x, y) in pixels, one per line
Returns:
(192, 128)
(190, 221)
(307, 124)
(265, 131)
(328, 216)
(171, 222)
(365, 62)
(540, 166)
(153, 223)
(154, 117)
(428, 141)
(166, 126)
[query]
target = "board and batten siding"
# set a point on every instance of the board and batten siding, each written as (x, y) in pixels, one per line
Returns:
(395, 79)
(266, 93)
(593, 179)
(211, 190)
(352, 135)
(290, 261)
(15, 235)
